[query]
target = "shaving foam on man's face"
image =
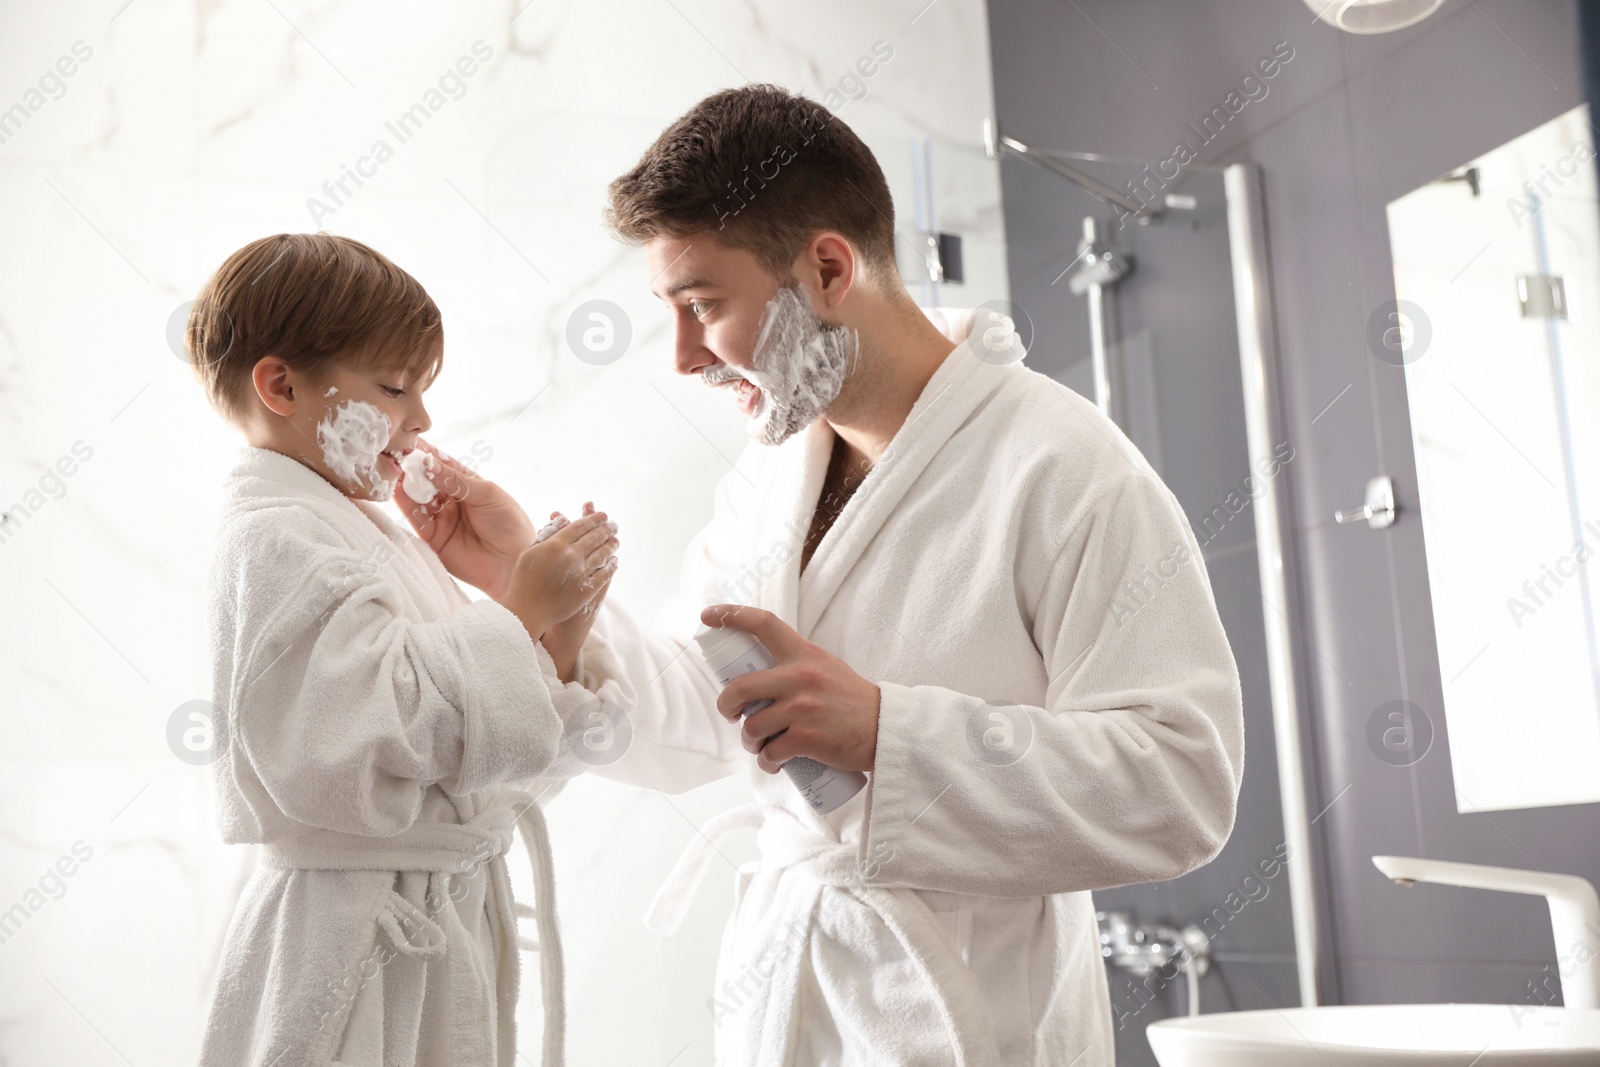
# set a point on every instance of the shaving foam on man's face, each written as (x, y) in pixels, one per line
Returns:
(797, 368)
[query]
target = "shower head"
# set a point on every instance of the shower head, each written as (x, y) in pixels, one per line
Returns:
(1097, 263)
(1098, 266)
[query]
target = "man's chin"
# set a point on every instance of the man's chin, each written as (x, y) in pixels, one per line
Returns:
(767, 427)
(761, 433)
(772, 427)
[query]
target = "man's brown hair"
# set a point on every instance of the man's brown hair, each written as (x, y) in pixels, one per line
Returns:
(760, 169)
(313, 300)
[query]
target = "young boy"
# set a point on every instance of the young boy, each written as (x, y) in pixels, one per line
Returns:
(374, 718)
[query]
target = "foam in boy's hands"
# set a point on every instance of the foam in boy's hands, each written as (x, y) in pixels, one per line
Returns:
(558, 521)
(549, 528)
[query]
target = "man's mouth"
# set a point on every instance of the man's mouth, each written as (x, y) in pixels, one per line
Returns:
(749, 396)
(746, 392)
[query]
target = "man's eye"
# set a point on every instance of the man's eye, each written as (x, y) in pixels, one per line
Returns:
(697, 308)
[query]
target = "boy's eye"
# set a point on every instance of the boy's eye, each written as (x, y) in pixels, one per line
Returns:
(391, 390)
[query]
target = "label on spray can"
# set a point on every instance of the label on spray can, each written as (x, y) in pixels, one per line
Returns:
(731, 653)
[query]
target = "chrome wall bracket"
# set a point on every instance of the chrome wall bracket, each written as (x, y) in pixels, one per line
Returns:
(1378, 510)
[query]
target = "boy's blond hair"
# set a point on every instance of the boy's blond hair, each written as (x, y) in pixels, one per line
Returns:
(315, 301)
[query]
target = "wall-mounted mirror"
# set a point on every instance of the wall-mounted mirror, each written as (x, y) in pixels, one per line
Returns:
(1498, 331)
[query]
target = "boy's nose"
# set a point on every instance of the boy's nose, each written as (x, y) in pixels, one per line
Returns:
(420, 421)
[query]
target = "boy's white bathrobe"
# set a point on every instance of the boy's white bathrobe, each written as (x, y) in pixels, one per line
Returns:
(379, 725)
(1011, 547)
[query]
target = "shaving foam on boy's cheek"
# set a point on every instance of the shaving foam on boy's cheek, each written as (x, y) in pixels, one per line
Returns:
(799, 364)
(352, 435)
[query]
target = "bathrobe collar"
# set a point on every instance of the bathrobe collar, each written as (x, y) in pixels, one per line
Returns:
(257, 468)
(960, 385)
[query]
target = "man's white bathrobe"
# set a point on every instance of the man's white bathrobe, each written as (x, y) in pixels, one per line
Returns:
(1060, 712)
(378, 726)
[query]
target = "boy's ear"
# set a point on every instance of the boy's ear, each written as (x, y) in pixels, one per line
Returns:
(271, 377)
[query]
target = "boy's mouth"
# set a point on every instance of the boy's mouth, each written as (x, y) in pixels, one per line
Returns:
(394, 456)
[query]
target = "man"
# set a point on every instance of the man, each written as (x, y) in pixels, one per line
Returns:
(975, 588)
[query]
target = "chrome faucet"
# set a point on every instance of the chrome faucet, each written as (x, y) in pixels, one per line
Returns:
(1145, 950)
(1574, 910)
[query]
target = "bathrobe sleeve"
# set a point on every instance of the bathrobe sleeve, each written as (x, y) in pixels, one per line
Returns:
(657, 680)
(1129, 772)
(348, 707)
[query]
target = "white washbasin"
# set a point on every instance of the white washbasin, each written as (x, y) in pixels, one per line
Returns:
(1382, 1035)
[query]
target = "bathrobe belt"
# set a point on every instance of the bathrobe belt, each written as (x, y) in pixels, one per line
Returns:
(457, 849)
(788, 844)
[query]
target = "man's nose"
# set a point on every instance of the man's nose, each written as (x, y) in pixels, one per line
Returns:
(689, 349)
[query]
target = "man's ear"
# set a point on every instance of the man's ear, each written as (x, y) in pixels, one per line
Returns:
(829, 263)
(273, 381)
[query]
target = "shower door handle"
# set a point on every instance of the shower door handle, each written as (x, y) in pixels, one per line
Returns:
(1379, 508)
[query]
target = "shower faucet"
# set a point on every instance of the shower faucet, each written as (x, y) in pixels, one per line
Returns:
(1146, 950)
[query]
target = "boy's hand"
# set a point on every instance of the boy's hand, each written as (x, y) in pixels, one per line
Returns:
(551, 580)
(565, 639)
(474, 526)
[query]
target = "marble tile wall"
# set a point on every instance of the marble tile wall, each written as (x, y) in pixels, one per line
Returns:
(143, 140)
